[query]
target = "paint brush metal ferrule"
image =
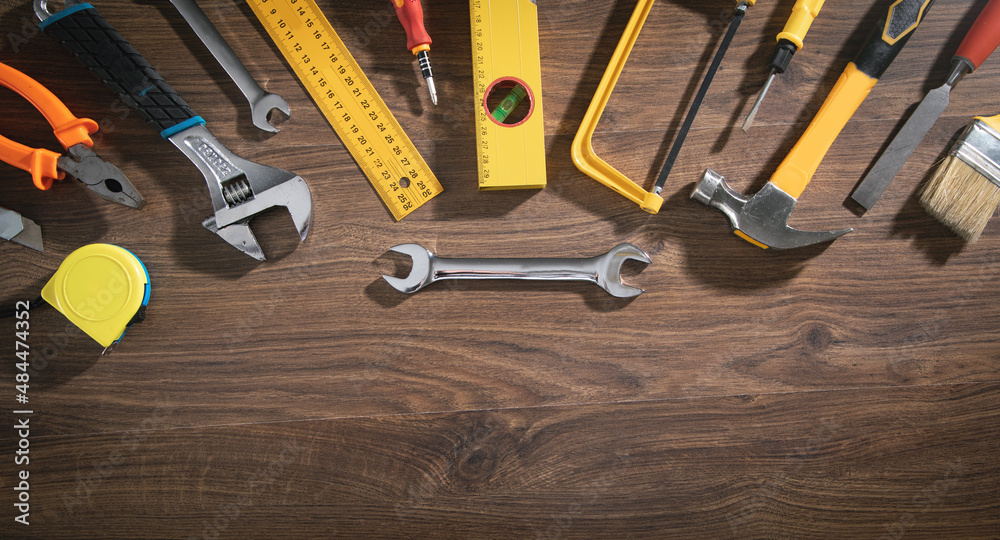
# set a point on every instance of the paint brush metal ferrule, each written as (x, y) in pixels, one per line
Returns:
(979, 146)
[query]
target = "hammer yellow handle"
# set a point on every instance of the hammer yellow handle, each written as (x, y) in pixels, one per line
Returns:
(888, 39)
(799, 166)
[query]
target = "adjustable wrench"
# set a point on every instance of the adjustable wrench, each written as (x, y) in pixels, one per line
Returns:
(261, 102)
(240, 189)
(604, 270)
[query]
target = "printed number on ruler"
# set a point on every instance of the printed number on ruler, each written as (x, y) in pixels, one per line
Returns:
(350, 103)
(482, 83)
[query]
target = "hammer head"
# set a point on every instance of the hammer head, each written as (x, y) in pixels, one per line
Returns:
(762, 219)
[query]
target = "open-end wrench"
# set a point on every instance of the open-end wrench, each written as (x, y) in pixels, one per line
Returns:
(261, 102)
(240, 189)
(604, 270)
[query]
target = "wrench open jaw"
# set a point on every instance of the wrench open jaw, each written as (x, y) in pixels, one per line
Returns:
(603, 270)
(260, 111)
(262, 103)
(241, 189)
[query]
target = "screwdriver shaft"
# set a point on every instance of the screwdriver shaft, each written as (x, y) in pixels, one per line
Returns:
(760, 99)
(790, 40)
(425, 69)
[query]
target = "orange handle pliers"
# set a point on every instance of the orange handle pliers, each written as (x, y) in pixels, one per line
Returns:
(73, 133)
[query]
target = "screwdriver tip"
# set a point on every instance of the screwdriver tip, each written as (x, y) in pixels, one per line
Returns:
(432, 90)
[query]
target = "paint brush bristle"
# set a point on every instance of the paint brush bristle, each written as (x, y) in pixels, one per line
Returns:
(964, 192)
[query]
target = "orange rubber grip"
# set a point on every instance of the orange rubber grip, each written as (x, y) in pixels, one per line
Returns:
(41, 163)
(984, 36)
(411, 15)
(69, 129)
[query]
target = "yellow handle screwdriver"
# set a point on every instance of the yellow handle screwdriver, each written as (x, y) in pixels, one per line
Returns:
(789, 42)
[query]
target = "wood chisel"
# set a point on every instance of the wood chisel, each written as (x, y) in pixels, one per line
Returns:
(790, 41)
(981, 40)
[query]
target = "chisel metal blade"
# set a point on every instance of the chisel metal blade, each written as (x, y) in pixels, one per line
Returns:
(892, 160)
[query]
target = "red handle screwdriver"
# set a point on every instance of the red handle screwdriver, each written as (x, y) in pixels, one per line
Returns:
(411, 14)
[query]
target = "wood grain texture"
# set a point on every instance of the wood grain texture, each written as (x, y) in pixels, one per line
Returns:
(856, 463)
(505, 409)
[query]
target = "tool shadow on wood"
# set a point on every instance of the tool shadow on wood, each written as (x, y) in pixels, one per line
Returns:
(595, 67)
(715, 258)
(938, 243)
(755, 73)
(683, 106)
(564, 179)
(60, 350)
(368, 36)
(938, 68)
(567, 182)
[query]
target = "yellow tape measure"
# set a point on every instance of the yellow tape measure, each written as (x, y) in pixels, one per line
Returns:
(350, 103)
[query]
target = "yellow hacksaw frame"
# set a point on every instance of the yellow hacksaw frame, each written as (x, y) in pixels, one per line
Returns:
(582, 150)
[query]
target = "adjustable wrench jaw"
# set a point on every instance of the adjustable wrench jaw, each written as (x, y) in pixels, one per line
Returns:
(241, 189)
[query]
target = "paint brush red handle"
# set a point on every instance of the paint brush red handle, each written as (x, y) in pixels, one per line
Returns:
(984, 36)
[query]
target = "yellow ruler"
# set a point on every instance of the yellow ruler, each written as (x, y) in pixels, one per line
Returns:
(505, 56)
(350, 103)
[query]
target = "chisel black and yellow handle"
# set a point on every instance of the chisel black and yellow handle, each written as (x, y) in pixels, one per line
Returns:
(890, 35)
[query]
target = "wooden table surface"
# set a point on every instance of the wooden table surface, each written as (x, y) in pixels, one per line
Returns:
(844, 390)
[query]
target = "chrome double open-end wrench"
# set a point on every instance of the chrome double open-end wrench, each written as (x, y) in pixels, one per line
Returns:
(261, 102)
(240, 189)
(604, 270)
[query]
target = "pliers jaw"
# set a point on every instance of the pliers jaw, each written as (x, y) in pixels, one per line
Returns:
(104, 179)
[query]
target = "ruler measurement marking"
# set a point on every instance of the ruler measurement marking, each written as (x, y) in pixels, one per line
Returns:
(483, 146)
(350, 103)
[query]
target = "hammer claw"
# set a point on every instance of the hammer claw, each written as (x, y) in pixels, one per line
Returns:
(762, 219)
